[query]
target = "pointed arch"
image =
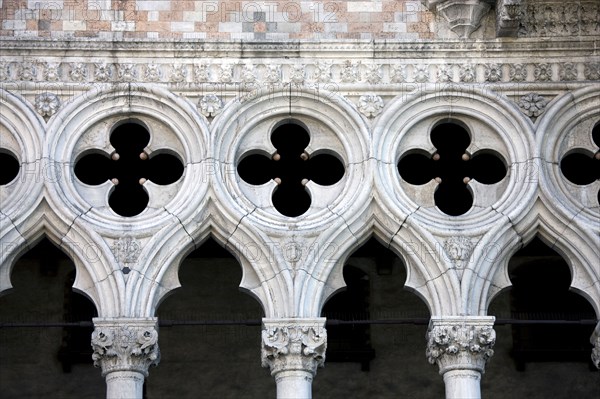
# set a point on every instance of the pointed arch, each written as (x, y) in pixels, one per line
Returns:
(94, 277)
(578, 247)
(260, 278)
(414, 246)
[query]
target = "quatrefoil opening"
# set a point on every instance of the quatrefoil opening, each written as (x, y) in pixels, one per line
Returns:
(452, 167)
(9, 167)
(291, 167)
(128, 167)
(581, 166)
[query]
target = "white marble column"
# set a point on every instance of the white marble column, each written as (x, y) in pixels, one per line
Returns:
(293, 349)
(125, 348)
(595, 341)
(461, 347)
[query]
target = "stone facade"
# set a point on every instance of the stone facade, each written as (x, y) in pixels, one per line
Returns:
(368, 82)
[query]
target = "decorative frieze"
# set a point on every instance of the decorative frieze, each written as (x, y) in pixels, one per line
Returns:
(293, 344)
(559, 18)
(460, 343)
(123, 344)
(280, 74)
(78, 72)
(102, 72)
(52, 72)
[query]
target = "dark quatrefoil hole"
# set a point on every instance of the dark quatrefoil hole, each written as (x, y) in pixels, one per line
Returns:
(9, 167)
(452, 167)
(581, 166)
(129, 166)
(291, 167)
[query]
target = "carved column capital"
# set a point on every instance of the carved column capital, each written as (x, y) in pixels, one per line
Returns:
(595, 341)
(460, 343)
(125, 344)
(294, 344)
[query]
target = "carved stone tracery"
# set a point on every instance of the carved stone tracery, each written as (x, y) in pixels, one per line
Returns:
(289, 344)
(125, 345)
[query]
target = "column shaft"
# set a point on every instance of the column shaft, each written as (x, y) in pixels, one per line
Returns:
(124, 385)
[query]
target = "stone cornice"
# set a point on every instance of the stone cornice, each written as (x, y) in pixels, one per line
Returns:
(448, 49)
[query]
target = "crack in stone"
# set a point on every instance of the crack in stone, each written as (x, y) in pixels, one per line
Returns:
(182, 225)
(16, 227)
(62, 240)
(345, 222)
(238, 225)
(389, 244)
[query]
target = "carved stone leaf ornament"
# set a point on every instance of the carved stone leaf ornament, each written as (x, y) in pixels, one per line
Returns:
(451, 340)
(4, 71)
(297, 75)
(293, 346)
(28, 71)
(102, 72)
(125, 348)
(51, 72)
(78, 72)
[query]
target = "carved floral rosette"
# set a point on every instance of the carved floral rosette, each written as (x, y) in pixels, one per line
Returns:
(293, 344)
(125, 345)
(460, 343)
